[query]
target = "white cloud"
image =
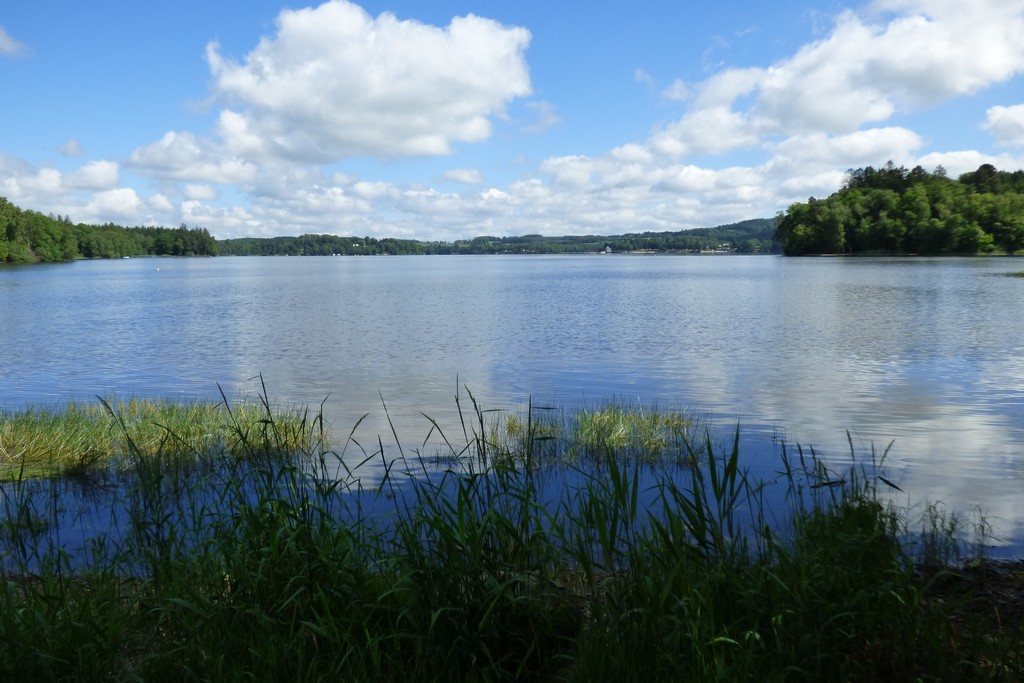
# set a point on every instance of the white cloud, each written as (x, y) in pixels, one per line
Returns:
(94, 175)
(823, 87)
(375, 190)
(796, 188)
(642, 76)
(202, 192)
(962, 161)
(9, 47)
(677, 91)
(27, 186)
(712, 130)
(873, 146)
(183, 156)
(1006, 124)
(545, 117)
(494, 194)
(119, 205)
(334, 82)
(570, 171)
(467, 176)
(864, 71)
(632, 153)
(160, 202)
(686, 179)
(71, 148)
(228, 222)
(722, 89)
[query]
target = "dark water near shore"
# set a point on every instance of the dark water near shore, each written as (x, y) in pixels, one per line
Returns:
(925, 353)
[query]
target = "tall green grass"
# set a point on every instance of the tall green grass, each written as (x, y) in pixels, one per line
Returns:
(521, 561)
(83, 437)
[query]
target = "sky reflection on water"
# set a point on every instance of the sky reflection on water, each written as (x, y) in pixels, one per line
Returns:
(925, 353)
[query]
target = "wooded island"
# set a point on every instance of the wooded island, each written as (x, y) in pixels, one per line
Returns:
(891, 210)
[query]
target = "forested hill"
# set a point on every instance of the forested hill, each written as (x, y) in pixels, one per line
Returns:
(895, 211)
(747, 237)
(29, 236)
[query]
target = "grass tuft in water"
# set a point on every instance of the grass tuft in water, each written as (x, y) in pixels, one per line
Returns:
(84, 437)
(612, 430)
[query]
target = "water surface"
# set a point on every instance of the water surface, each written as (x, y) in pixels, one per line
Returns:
(925, 353)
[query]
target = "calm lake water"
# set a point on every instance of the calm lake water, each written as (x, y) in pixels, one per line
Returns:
(925, 353)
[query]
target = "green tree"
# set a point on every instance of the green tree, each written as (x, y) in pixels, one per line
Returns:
(1008, 229)
(971, 239)
(890, 210)
(915, 211)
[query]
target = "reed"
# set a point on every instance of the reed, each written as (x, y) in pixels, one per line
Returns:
(506, 565)
(83, 437)
(613, 429)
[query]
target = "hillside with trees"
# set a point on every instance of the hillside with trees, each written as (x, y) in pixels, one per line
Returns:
(746, 237)
(317, 245)
(32, 237)
(895, 211)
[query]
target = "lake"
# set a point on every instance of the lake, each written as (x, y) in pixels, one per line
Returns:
(925, 353)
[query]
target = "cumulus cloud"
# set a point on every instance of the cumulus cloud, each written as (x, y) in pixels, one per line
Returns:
(184, 156)
(94, 175)
(898, 56)
(862, 148)
(160, 203)
(90, 193)
(9, 47)
(468, 176)
(374, 190)
(865, 71)
(229, 222)
(570, 171)
(121, 204)
(710, 130)
(23, 184)
(333, 82)
(1006, 124)
(494, 194)
(203, 192)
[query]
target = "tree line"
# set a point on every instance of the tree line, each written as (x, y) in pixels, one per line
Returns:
(32, 237)
(747, 237)
(318, 245)
(891, 210)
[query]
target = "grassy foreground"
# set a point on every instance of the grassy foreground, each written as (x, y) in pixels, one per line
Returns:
(256, 561)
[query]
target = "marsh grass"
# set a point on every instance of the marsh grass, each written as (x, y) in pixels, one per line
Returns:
(83, 437)
(500, 567)
(611, 430)
(650, 433)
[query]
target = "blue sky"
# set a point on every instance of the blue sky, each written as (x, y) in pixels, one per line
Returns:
(454, 119)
